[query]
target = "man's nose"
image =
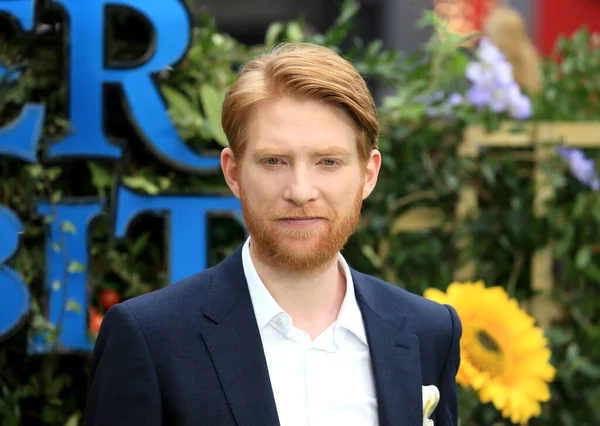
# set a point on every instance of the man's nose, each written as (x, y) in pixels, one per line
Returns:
(301, 187)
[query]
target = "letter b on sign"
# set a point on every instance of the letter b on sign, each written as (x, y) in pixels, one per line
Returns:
(14, 294)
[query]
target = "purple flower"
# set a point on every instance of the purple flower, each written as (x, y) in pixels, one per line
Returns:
(455, 99)
(445, 108)
(480, 74)
(519, 106)
(491, 68)
(503, 73)
(488, 52)
(583, 168)
(490, 75)
(493, 83)
(479, 96)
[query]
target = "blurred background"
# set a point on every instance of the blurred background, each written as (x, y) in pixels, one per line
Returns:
(487, 199)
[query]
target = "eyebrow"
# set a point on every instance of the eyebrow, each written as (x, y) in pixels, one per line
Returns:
(323, 152)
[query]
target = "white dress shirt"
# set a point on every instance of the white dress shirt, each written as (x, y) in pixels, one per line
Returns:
(324, 382)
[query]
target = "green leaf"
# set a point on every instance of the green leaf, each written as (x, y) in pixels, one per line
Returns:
(39, 322)
(294, 31)
(429, 18)
(212, 104)
(56, 196)
(62, 123)
(488, 173)
(583, 257)
(164, 183)
(218, 39)
(53, 173)
(370, 254)
(74, 419)
(273, 33)
(34, 170)
(140, 243)
(73, 306)
(101, 178)
(69, 227)
(141, 183)
(349, 10)
(75, 267)
(177, 101)
(459, 64)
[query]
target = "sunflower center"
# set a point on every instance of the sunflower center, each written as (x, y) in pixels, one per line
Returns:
(484, 352)
(487, 341)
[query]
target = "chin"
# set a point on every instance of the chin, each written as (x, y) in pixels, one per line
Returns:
(305, 262)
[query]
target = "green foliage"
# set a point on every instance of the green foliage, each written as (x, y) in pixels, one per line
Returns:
(571, 86)
(195, 92)
(421, 175)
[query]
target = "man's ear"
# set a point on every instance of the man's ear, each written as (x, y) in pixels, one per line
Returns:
(371, 172)
(230, 169)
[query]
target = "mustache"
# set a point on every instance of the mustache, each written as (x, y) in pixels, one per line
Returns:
(302, 213)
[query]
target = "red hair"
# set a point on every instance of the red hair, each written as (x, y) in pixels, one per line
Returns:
(304, 71)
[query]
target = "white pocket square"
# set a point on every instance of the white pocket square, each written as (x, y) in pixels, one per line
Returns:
(431, 397)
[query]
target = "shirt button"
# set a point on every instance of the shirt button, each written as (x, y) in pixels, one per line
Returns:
(279, 321)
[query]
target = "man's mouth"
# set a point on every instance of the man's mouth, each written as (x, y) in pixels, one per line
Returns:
(301, 222)
(301, 218)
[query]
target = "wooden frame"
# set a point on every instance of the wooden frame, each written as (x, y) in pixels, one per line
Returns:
(544, 137)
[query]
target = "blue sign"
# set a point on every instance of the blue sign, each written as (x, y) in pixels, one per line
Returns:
(187, 224)
(14, 295)
(89, 73)
(20, 138)
(66, 275)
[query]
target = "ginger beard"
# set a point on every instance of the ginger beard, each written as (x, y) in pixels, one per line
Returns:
(299, 250)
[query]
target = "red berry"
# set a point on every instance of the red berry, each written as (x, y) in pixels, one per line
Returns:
(108, 297)
(95, 321)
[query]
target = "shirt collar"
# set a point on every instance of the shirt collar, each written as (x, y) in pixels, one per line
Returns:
(350, 317)
(266, 308)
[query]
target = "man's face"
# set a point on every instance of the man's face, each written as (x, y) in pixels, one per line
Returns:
(300, 181)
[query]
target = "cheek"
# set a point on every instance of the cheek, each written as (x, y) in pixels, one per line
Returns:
(259, 191)
(342, 193)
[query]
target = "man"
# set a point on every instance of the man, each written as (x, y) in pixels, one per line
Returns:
(283, 331)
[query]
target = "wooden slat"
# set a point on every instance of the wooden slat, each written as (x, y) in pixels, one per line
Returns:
(504, 137)
(542, 307)
(467, 204)
(418, 219)
(579, 134)
(542, 276)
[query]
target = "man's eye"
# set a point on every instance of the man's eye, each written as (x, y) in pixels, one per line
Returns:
(329, 162)
(272, 161)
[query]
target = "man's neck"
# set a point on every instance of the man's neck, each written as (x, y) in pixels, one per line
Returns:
(312, 299)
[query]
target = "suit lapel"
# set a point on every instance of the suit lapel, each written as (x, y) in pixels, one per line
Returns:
(233, 340)
(395, 357)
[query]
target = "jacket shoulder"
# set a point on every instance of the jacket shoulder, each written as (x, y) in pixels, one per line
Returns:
(424, 316)
(183, 296)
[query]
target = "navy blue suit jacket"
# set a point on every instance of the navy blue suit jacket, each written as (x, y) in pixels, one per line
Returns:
(191, 355)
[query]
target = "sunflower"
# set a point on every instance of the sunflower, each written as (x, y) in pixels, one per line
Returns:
(504, 356)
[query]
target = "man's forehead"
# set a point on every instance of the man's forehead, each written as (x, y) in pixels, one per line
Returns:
(284, 149)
